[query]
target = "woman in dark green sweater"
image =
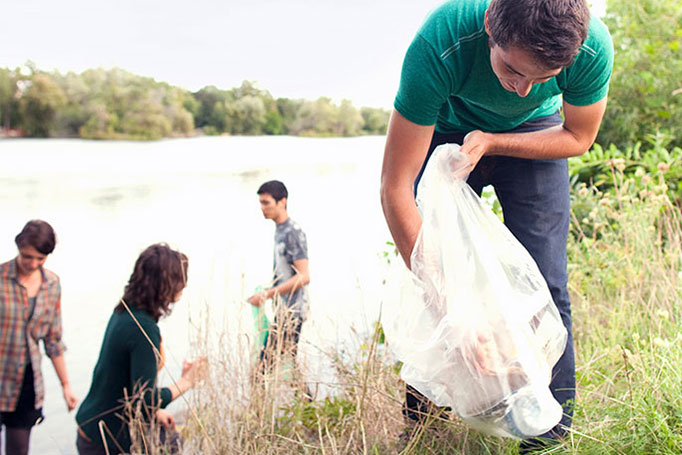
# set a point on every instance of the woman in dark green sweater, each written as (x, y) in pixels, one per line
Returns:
(125, 374)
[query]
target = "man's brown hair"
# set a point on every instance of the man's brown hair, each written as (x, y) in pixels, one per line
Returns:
(551, 30)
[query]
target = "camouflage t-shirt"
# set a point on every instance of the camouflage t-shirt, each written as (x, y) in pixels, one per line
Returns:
(290, 245)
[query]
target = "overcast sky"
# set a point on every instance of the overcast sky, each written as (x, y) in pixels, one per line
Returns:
(293, 48)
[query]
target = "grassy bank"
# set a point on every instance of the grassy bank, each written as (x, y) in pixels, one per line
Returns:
(625, 279)
(625, 253)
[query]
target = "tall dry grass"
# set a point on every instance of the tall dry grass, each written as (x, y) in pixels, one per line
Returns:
(625, 255)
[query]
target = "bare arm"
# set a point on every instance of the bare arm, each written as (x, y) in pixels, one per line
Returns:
(60, 368)
(191, 373)
(179, 387)
(572, 138)
(404, 154)
(296, 282)
(407, 144)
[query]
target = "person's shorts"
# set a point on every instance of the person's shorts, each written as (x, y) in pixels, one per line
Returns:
(25, 415)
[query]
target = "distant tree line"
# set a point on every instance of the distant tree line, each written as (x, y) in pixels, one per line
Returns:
(644, 107)
(116, 104)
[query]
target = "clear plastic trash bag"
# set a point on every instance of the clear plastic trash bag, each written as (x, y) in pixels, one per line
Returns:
(473, 322)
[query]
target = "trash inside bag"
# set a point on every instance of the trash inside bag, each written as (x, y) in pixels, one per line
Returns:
(473, 322)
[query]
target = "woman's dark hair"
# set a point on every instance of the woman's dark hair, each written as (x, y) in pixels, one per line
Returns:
(38, 234)
(551, 30)
(159, 274)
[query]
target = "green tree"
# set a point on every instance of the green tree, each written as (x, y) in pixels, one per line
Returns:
(147, 117)
(646, 87)
(118, 104)
(274, 123)
(248, 88)
(219, 118)
(39, 105)
(212, 109)
(191, 104)
(375, 120)
(315, 118)
(349, 121)
(100, 124)
(174, 104)
(146, 125)
(8, 96)
(247, 115)
(78, 107)
(288, 110)
(182, 122)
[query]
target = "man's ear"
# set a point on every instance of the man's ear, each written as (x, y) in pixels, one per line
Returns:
(485, 22)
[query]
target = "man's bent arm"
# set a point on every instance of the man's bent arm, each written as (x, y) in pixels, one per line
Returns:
(574, 137)
(296, 282)
(405, 152)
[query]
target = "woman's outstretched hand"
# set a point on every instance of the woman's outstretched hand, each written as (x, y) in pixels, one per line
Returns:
(195, 370)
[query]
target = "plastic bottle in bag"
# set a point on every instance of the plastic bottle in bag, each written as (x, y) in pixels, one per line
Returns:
(530, 410)
(524, 414)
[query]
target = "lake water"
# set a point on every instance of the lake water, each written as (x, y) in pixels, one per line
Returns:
(109, 200)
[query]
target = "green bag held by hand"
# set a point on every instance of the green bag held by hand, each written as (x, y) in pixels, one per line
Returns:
(261, 324)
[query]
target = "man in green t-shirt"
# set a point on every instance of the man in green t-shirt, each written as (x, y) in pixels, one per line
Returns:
(492, 75)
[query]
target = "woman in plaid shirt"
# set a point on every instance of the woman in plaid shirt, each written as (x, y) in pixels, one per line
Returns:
(30, 311)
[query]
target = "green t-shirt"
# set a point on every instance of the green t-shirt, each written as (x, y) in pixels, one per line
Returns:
(447, 78)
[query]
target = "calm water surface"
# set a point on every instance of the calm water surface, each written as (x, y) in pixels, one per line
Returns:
(109, 200)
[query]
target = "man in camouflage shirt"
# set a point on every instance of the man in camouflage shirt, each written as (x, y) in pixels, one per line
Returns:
(290, 269)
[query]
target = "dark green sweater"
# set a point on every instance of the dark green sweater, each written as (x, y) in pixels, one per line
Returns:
(126, 366)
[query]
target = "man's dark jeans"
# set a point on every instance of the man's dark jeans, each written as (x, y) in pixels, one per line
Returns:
(282, 338)
(534, 195)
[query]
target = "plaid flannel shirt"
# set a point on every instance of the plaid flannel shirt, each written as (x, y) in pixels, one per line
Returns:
(17, 332)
